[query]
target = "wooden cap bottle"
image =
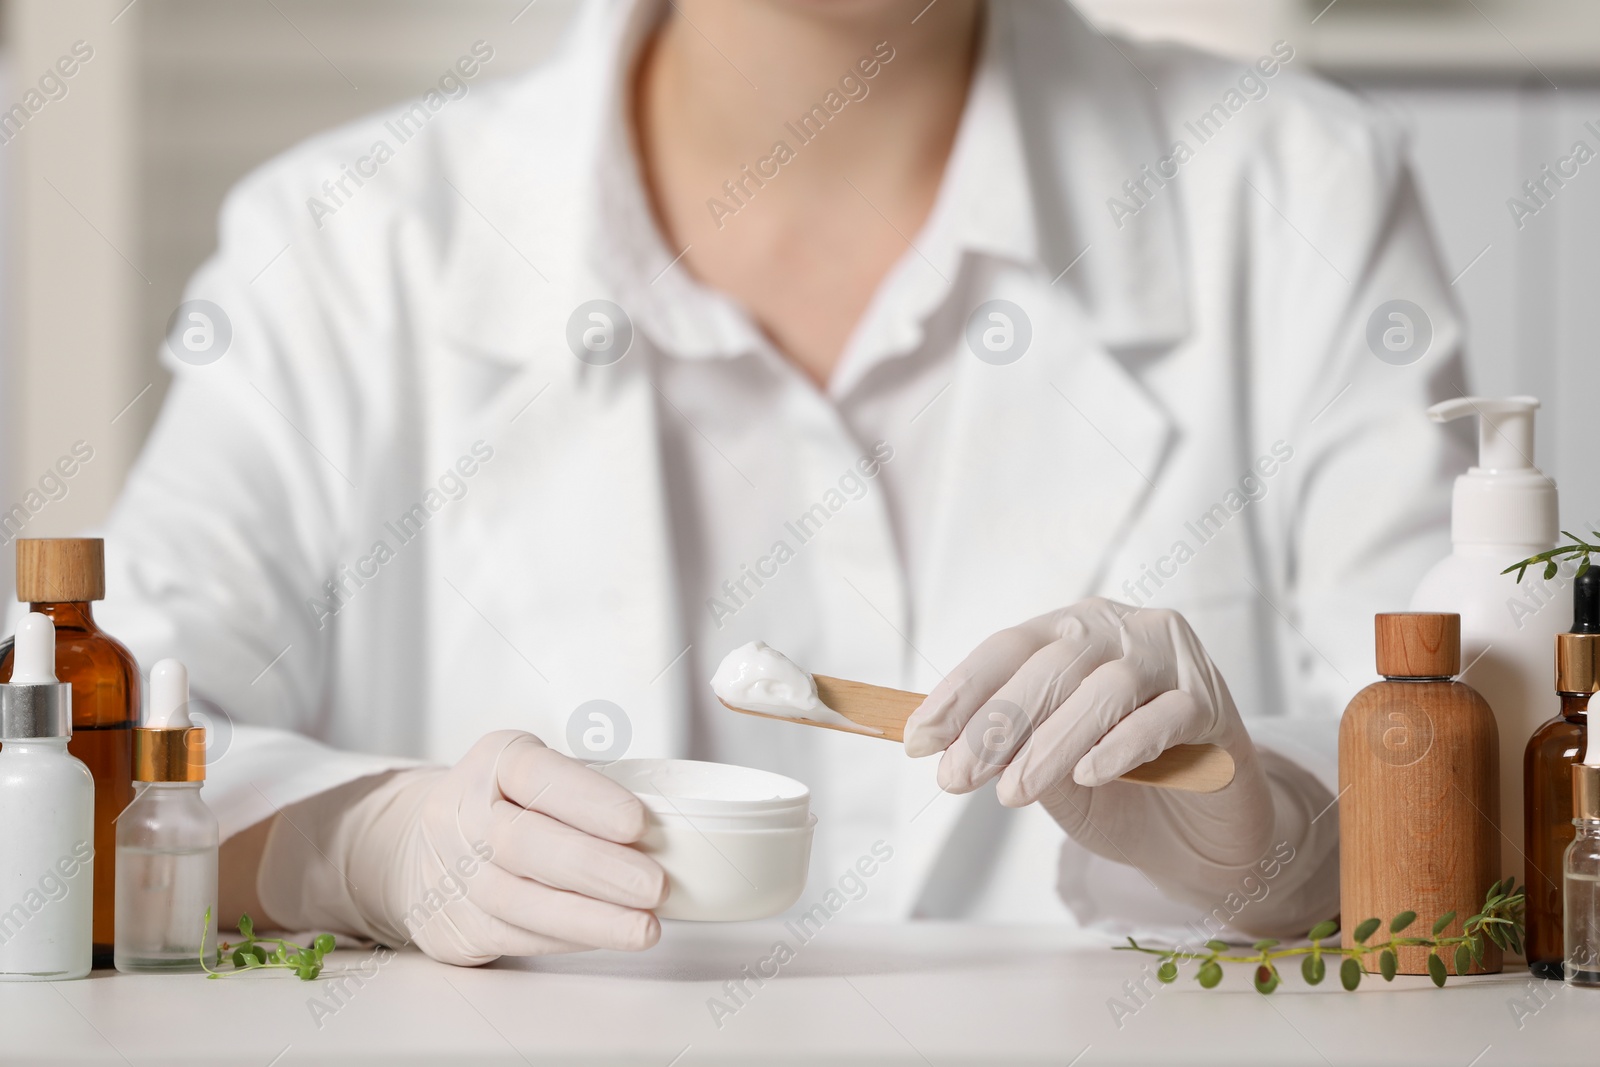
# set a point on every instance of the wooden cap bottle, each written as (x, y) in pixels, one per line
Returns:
(1419, 790)
(57, 570)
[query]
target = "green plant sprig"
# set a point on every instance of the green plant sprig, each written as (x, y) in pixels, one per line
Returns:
(1579, 549)
(1500, 921)
(251, 954)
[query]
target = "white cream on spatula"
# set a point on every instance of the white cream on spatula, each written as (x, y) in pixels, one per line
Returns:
(757, 677)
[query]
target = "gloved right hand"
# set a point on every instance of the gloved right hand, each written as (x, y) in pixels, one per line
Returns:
(515, 851)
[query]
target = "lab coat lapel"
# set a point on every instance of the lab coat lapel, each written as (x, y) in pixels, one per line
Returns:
(1007, 544)
(1013, 539)
(566, 552)
(580, 596)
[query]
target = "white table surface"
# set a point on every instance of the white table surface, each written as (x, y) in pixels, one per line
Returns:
(914, 994)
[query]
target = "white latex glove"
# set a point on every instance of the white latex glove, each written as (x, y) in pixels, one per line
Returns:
(1064, 704)
(514, 851)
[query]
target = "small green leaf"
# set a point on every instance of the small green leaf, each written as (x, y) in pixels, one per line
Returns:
(238, 957)
(1367, 929)
(1550, 570)
(1436, 968)
(1350, 974)
(1266, 979)
(1442, 921)
(1264, 944)
(259, 953)
(1401, 921)
(1323, 930)
(1493, 930)
(324, 943)
(246, 927)
(1210, 974)
(1477, 950)
(1217, 946)
(1583, 567)
(1167, 972)
(1388, 964)
(1472, 921)
(1313, 970)
(1463, 958)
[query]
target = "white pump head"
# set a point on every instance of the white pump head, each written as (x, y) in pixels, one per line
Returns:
(169, 696)
(1505, 428)
(1504, 500)
(35, 660)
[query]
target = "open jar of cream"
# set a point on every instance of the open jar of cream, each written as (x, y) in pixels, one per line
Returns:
(735, 842)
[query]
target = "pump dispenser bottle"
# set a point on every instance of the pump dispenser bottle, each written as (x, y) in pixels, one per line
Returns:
(1547, 775)
(59, 577)
(167, 839)
(1582, 870)
(46, 821)
(1503, 510)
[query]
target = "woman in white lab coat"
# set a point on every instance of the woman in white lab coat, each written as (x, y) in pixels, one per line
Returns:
(547, 393)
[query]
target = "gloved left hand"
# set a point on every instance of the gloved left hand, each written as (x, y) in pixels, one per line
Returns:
(1062, 705)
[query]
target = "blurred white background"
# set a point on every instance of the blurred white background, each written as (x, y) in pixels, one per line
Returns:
(110, 192)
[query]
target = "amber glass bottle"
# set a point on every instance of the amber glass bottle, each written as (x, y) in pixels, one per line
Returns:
(60, 577)
(1547, 776)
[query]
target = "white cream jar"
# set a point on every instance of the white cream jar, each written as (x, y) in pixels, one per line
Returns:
(735, 842)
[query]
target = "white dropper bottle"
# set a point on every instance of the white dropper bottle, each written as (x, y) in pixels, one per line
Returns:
(1580, 904)
(166, 839)
(1503, 509)
(46, 821)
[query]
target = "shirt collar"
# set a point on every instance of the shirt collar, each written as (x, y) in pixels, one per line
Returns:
(1086, 122)
(984, 206)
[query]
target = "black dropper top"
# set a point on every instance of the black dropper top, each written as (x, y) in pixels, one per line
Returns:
(1586, 601)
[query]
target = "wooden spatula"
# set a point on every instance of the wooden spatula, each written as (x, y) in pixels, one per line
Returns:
(1192, 768)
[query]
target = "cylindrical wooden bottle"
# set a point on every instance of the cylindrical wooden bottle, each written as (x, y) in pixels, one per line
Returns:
(1419, 791)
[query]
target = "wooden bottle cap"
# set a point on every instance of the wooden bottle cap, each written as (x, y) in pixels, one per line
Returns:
(1419, 644)
(54, 570)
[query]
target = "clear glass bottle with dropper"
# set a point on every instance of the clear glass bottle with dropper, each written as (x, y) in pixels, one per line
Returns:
(1581, 884)
(166, 839)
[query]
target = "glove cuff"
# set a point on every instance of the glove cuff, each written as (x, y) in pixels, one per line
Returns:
(329, 859)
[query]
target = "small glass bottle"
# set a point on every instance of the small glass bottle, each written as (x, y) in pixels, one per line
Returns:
(60, 578)
(167, 839)
(1581, 884)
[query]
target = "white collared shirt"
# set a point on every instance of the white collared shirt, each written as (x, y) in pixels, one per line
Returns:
(751, 447)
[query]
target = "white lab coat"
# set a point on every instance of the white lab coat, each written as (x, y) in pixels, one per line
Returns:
(1224, 316)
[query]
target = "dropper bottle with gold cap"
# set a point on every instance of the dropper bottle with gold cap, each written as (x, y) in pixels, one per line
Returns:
(1547, 775)
(60, 578)
(166, 839)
